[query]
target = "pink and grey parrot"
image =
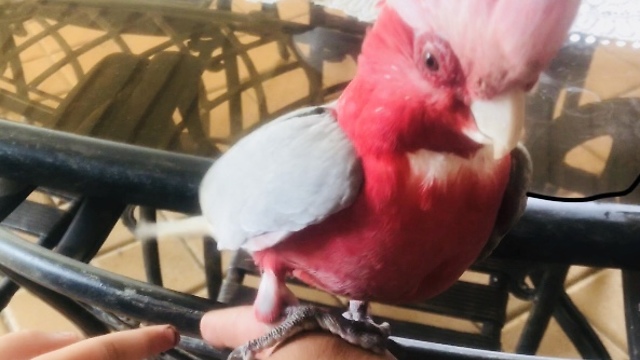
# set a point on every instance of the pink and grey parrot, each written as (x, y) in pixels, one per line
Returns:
(391, 192)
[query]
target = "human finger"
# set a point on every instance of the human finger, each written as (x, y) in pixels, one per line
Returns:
(231, 327)
(28, 344)
(134, 344)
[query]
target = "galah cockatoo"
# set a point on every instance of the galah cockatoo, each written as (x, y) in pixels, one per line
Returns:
(394, 190)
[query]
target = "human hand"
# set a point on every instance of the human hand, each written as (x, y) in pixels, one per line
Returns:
(232, 327)
(134, 344)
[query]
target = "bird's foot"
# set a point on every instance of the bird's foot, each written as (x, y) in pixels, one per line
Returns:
(360, 332)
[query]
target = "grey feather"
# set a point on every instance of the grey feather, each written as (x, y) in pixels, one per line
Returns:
(290, 173)
(514, 200)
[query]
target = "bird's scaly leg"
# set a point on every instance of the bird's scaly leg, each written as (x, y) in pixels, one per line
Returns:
(359, 311)
(354, 326)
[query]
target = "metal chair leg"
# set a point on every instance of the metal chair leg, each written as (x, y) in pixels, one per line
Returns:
(90, 228)
(212, 267)
(578, 329)
(150, 251)
(631, 289)
(8, 288)
(549, 290)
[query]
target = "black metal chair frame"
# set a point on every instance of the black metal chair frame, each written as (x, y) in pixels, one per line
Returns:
(88, 296)
(112, 176)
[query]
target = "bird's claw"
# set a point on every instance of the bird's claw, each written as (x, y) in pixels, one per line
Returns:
(363, 333)
(242, 353)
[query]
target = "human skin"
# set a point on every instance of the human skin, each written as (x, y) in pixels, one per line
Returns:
(135, 344)
(233, 327)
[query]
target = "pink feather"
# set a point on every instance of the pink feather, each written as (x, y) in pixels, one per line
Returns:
(500, 43)
(430, 194)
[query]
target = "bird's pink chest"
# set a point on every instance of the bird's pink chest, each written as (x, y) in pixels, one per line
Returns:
(416, 227)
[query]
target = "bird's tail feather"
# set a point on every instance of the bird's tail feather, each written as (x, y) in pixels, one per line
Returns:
(193, 226)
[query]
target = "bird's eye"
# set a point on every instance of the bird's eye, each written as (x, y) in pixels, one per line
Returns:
(431, 62)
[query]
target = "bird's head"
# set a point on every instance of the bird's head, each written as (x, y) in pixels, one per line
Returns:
(451, 75)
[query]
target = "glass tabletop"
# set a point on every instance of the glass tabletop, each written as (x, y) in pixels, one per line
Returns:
(192, 76)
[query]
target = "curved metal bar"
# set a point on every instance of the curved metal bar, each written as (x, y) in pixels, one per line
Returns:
(592, 234)
(147, 302)
(89, 324)
(101, 168)
(96, 287)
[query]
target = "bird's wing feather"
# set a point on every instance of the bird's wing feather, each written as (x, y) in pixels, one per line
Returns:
(514, 199)
(285, 176)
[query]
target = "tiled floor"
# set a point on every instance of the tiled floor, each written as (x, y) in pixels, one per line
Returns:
(597, 292)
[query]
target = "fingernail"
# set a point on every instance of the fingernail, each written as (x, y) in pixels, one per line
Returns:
(174, 334)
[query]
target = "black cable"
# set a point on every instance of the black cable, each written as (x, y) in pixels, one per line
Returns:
(595, 197)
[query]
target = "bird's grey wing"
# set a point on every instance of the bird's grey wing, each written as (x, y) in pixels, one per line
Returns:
(514, 199)
(288, 174)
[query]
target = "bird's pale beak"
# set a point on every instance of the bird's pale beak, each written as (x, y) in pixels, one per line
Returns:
(501, 121)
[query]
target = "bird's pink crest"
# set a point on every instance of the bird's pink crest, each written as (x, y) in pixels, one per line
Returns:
(499, 43)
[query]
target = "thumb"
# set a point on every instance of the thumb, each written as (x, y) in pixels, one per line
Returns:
(231, 327)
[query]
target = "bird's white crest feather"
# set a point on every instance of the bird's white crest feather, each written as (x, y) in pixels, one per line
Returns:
(592, 12)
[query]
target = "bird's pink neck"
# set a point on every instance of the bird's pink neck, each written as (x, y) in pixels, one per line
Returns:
(387, 121)
(387, 109)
